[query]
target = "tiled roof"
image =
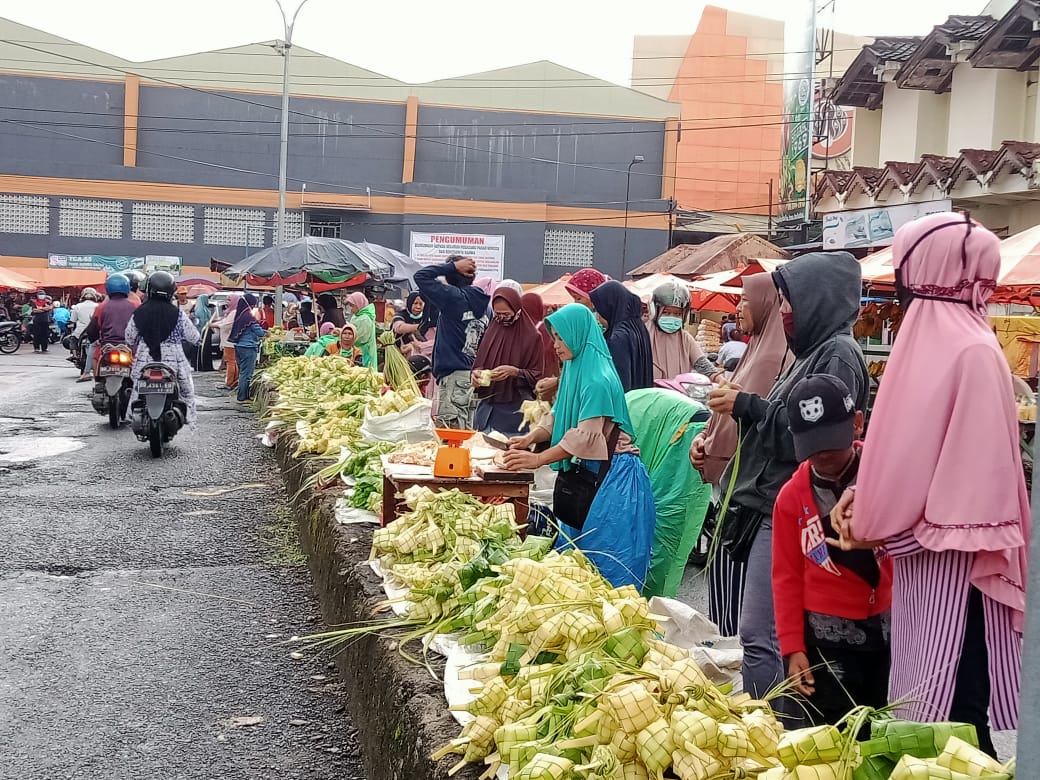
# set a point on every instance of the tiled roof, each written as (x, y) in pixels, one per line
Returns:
(1012, 42)
(931, 65)
(861, 85)
(1015, 157)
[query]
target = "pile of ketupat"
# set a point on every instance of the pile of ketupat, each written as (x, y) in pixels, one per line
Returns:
(330, 396)
(575, 680)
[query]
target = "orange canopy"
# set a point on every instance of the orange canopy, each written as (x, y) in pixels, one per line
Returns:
(67, 277)
(12, 280)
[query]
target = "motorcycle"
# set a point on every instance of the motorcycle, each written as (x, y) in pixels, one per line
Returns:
(112, 383)
(158, 413)
(10, 337)
(74, 343)
(702, 549)
(54, 333)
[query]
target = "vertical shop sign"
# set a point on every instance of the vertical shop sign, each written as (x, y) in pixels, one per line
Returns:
(796, 145)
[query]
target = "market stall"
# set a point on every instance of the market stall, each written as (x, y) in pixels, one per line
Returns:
(550, 671)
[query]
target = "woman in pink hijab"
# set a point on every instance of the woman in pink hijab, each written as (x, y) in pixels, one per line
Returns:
(228, 347)
(941, 486)
(584, 282)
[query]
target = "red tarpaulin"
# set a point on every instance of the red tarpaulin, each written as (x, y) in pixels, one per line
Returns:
(13, 280)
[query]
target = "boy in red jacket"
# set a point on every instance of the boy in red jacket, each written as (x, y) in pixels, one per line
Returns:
(831, 605)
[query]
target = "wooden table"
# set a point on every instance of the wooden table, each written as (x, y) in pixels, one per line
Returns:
(516, 489)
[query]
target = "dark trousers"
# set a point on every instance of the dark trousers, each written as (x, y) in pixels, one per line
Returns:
(40, 334)
(845, 678)
(972, 688)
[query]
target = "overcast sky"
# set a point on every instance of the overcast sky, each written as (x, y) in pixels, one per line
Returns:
(421, 40)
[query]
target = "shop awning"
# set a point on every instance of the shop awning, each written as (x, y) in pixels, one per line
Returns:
(67, 277)
(554, 293)
(12, 280)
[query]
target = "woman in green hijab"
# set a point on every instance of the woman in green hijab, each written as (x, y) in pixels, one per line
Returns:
(666, 423)
(590, 404)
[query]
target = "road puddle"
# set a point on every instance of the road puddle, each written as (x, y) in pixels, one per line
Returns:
(22, 449)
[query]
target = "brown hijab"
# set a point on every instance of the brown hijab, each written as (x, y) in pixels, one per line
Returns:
(514, 344)
(756, 373)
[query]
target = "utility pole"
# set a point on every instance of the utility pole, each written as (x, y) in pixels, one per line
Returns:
(628, 187)
(284, 46)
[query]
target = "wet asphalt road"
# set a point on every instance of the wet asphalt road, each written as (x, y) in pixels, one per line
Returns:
(138, 621)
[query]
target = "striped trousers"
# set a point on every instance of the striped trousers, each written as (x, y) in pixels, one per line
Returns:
(725, 591)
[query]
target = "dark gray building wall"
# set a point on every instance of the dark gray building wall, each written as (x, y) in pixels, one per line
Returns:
(331, 142)
(41, 115)
(188, 137)
(584, 157)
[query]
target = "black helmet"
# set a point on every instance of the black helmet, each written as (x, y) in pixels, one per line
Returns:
(137, 278)
(161, 285)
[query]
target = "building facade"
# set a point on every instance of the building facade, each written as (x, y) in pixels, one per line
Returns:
(950, 118)
(179, 157)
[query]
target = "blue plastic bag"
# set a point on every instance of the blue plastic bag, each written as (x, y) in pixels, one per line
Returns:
(619, 530)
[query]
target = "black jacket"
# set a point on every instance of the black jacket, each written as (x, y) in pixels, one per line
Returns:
(824, 292)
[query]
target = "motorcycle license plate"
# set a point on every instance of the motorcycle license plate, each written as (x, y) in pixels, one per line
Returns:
(107, 370)
(156, 387)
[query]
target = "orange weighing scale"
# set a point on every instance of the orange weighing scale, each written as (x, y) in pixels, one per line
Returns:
(452, 460)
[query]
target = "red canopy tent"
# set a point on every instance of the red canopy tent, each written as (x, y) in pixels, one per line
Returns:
(12, 280)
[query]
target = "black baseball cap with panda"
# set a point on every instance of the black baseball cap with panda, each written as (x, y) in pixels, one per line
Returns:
(821, 414)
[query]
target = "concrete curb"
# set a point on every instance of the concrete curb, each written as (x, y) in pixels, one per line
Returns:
(398, 708)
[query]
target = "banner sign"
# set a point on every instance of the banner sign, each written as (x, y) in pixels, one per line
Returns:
(488, 251)
(108, 263)
(796, 143)
(874, 227)
(167, 263)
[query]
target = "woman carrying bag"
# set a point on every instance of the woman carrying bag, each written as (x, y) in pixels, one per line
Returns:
(603, 499)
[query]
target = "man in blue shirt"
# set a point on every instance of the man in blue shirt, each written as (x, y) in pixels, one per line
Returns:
(461, 323)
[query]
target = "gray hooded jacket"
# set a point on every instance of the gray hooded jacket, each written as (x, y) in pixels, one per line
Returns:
(824, 291)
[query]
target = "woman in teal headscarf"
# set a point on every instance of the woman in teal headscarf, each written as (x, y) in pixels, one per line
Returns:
(202, 312)
(666, 423)
(618, 532)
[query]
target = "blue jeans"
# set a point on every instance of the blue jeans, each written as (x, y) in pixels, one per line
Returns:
(246, 357)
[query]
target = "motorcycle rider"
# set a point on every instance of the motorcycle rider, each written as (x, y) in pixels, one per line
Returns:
(42, 305)
(137, 278)
(156, 333)
(108, 325)
(82, 312)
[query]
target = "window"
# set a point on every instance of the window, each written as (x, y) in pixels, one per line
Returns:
(90, 218)
(568, 247)
(25, 214)
(325, 227)
(167, 222)
(234, 227)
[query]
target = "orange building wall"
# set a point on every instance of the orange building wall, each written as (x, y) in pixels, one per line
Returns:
(725, 164)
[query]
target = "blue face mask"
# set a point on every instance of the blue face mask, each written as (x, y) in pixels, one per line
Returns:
(669, 324)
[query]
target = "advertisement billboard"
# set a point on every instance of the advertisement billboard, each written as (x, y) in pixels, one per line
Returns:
(488, 251)
(108, 263)
(874, 227)
(797, 138)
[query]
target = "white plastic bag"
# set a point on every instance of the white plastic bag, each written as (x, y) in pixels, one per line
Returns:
(412, 425)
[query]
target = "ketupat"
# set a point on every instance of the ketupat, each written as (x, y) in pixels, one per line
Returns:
(654, 747)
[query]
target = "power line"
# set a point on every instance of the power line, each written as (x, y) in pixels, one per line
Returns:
(325, 122)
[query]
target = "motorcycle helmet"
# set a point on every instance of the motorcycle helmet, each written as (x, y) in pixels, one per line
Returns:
(420, 365)
(671, 293)
(88, 294)
(161, 285)
(117, 284)
(137, 278)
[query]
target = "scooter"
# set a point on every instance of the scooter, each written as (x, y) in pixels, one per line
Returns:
(112, 383)
(10, 337)
(158, 413)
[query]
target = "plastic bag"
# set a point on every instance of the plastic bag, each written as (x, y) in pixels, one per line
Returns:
(619, 530)
(412, 425)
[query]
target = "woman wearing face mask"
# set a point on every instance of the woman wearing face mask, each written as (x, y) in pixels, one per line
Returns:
(941, 486)
(675, 350)
(512, 351)
(820, 294)
(758, 314)
(410, 325)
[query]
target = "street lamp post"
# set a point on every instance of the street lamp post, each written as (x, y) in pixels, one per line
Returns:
(283, 147)
(628, 186)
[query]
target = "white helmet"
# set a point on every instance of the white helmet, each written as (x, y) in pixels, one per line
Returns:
(670, 293)
(89, 294)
